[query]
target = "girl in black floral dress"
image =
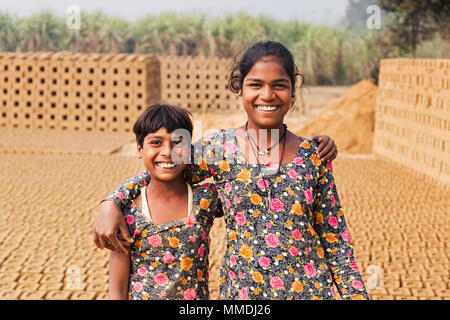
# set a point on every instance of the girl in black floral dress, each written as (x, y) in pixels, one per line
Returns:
(286, 233)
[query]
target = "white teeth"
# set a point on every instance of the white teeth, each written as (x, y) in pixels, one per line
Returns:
(165, 165)
(267, 108)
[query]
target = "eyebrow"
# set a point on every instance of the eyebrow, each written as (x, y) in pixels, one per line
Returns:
(276, 80)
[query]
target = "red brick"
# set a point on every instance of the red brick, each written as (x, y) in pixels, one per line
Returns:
(399, 291)
(425, 292)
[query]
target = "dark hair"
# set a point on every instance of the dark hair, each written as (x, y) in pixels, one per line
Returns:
(257, 51)
(160, 116)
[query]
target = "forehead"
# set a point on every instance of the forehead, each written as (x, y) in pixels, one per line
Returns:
(161, 132)
(267, 68)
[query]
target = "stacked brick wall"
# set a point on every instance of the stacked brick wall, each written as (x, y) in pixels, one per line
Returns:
(76, 91)
(413, 116)
(201, 84)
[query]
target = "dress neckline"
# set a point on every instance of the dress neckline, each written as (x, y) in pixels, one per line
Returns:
(242, 155)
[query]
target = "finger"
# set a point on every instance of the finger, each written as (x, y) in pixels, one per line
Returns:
(330, 155)
(116, 244)
(125, 243)
(323, 144)
(125, 233)
(335, 155)
(325, 151)
(317, 139)
(104, 243)
(97, 242)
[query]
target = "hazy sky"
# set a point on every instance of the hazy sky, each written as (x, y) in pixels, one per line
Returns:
(325, 11)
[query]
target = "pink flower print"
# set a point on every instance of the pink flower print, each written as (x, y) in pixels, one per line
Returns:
(130, 219)
(144, 184)
(155, 240)
(136, 233)
(332, 291)
(191, 238)
(163, 293)
(268, 225)
(333, 202)
(142, 271)
(308, 177)
(276, 283)
(241, 275)
(346, 236)
(293, 174)
(168, 258)
(357, 284)
(203, 235)
(272, 240)
(276, 205)
(298, 161)
(211, 170)
(308, 196)
(333, 222)
(240, 218)
(262, 184)
(293, 251)
(329, 166)
(233, 261)
(308, 250)
(297, 235)
(119, 195)
(232, 275)
(310, 270)
(228, 187)
(243, 294)
(201, 250)
(354, 266)
(331, 185)
(137, 287)
(190, 294)
(190, 221)
(236, 199)
(264, 262)
(161, 279)
(227, 203)
(229, 147)
(207, 276)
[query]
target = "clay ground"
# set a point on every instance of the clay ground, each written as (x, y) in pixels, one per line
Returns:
(51, 184)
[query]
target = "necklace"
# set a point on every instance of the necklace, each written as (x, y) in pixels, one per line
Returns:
(265, 151)
(269, 192)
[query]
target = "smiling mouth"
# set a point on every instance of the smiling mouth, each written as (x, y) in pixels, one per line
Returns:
(267, 108)
(165, 165)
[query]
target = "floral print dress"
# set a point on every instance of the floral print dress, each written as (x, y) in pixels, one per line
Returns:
(170, 260)
(286, 233)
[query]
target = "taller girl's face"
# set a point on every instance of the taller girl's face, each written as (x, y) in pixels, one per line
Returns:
(160, 153)
(267, 93)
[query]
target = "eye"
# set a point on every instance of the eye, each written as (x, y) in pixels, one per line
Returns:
(155, 142)
(280, 86)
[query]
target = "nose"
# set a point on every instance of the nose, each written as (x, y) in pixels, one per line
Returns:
(166, 149)
(267, 93)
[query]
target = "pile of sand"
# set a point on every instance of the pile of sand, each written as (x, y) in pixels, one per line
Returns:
(350, 121)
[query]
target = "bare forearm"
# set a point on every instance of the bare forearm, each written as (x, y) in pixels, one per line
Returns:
(119, 268)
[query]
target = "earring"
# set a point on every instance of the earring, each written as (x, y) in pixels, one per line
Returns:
(240, 92)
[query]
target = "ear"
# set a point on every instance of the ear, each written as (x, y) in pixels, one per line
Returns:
(139, 151)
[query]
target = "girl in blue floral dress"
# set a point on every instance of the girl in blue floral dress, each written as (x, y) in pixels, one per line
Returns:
(286, 233)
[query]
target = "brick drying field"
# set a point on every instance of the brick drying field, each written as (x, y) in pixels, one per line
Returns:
(399, 223)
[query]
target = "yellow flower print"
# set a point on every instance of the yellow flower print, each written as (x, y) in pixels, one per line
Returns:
(138, 244)
(183, 281)
(174, 242)
(316, 161)
(246, 252)
(257, 276)
(202, 164)
(305, 144)
(357, 297)
(204, 204)
(255, 214)
(233, 235)
(278, 179)
(320, 252)
(129, 185)
(331, 237)
(223, 165)
(297, 208)
(319, 218)
(291, 192)
(244, 175)
(297, 286)
(256, 199)
(199, 275)
(311, 229)
(186, 264)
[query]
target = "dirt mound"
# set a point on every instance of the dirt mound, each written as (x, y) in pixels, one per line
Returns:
(350, 121)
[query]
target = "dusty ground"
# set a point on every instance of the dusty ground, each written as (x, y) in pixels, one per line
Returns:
(51, 184)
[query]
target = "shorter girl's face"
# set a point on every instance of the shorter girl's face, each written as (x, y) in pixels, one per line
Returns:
(157, 150)
(267, 93)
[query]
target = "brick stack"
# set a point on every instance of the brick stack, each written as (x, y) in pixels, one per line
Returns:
(76, 91)
(201, 84)
(413, 116)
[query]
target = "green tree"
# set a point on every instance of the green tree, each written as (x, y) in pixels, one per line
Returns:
(416, 20)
